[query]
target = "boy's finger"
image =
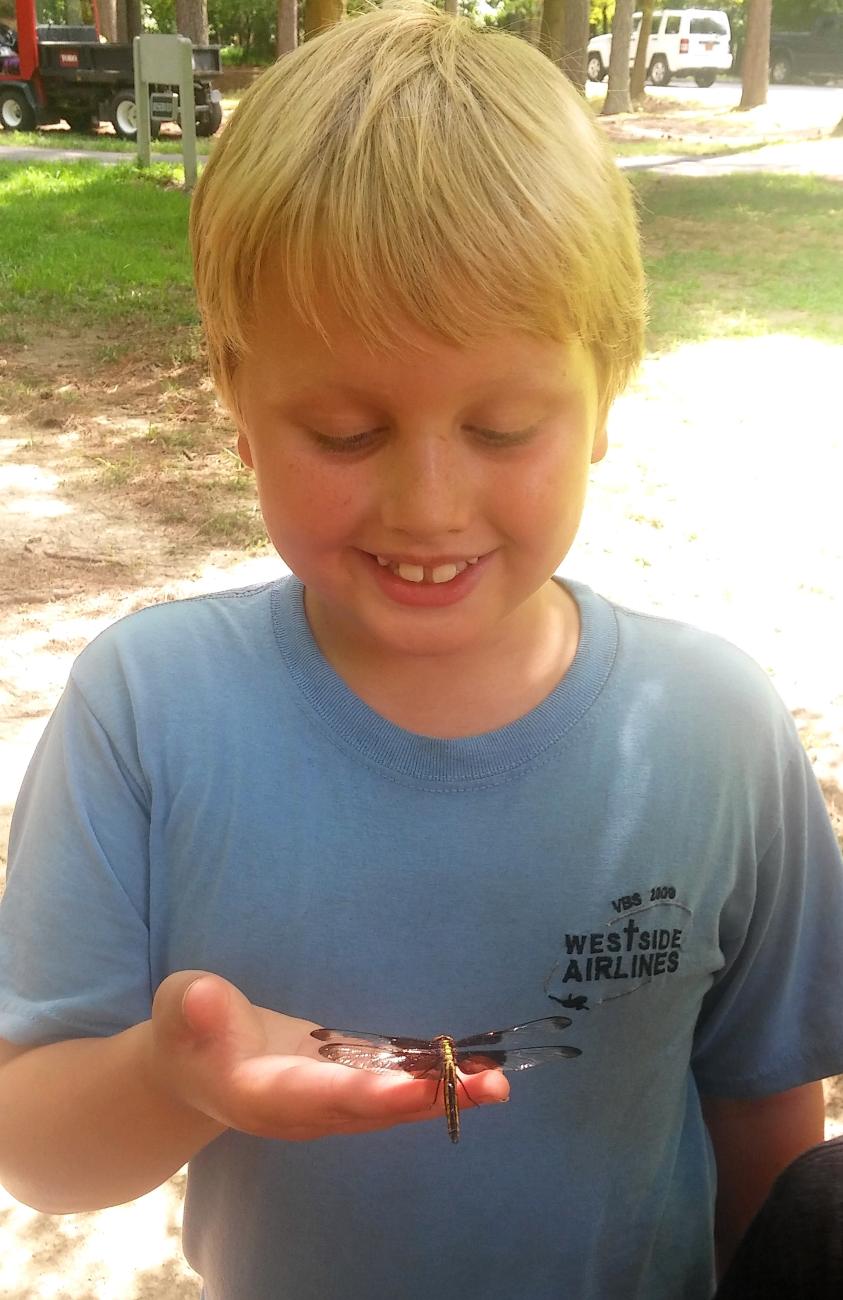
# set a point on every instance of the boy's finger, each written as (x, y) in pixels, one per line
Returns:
(333, 1098)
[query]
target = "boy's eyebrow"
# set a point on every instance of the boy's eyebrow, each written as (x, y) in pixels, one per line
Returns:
(505, 384)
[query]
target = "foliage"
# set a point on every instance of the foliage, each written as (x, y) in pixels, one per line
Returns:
(799, 15)
(516, 16)
(246, 25)
(246, 28)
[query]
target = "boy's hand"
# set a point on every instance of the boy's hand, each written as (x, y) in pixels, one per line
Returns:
(259, 1071)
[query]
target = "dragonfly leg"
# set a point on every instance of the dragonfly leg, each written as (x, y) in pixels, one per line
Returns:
(465, 1090)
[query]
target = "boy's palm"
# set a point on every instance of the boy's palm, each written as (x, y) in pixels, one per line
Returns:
(258, 1071)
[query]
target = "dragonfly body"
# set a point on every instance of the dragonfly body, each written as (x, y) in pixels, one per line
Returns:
(450, 1081)
(445, 1058)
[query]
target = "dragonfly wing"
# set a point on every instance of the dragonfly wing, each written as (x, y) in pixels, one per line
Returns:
(374, 1052)
(518, 1048)
(516, 1058)
(534, 1033)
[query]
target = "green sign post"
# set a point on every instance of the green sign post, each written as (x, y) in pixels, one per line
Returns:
(166, 62)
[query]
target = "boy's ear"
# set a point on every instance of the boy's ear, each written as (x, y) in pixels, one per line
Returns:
(601, 436)
(601, 443)
(244, 451)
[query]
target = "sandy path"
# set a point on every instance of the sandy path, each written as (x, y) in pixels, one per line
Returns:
(719, 503)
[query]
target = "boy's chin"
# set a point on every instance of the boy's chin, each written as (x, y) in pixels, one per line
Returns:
(435, 634)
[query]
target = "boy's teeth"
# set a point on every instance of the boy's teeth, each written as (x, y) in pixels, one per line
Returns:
(410, 572)
(418, 573)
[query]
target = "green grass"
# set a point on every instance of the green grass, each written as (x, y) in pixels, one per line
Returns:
(731, 256)
(87, 246)
(678, 148)
(103, 141)
(98, 143)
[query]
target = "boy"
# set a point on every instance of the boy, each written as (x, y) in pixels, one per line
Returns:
(422, 787)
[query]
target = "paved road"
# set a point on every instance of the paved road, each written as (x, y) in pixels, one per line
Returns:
(802, 158)
(812, 110)
(798, 107)
(799, 158)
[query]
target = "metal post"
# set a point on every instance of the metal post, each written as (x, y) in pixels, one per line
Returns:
(187, 114)
(141, 107)
(166, 61)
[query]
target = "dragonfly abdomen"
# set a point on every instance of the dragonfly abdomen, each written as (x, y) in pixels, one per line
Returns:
(450, 1082)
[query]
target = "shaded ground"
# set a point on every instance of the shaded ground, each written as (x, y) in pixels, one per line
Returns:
(718, 504)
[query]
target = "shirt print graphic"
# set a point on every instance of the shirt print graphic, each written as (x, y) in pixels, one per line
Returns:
(641, 940)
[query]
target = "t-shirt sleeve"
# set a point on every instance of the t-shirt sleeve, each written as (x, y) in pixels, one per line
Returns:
(74, 922)
(773, 1019)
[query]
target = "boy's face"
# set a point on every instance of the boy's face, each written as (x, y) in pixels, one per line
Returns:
(426, 496)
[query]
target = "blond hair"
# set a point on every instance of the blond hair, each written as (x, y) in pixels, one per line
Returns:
(412, 166)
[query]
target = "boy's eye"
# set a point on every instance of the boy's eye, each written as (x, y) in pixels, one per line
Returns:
(345, 442)
(500, 438)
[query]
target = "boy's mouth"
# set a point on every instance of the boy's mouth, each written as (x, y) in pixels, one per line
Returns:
(444, 571)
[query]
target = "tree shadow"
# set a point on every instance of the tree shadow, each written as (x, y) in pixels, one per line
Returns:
(66, 1247)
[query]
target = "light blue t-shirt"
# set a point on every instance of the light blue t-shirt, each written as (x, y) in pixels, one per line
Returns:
(648, 845)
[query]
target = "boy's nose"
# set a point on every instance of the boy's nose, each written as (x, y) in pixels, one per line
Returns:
(426, 491)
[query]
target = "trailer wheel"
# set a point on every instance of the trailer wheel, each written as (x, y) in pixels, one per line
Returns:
(16, 113)
(211, 124)
(123, 113)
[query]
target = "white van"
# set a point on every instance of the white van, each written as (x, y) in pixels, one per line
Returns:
(683, 43)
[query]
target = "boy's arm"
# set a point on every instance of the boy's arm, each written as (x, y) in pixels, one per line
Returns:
(87, 1123)
(754, 1139)
(84, 1124)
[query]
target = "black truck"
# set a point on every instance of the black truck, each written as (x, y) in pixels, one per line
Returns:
(816, 55)
(52, 72)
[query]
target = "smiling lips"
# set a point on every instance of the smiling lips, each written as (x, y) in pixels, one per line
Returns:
(423, 573)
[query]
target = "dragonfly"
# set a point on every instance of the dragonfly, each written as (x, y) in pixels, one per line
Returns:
(443, 1058)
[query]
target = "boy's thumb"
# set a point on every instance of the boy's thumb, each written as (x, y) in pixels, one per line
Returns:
(190, 1004)
(205, 1005)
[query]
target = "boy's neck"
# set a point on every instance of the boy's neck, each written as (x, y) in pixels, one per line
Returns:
(448, 696)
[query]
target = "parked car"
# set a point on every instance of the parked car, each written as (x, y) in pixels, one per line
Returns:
(683, 43)
(817, 54)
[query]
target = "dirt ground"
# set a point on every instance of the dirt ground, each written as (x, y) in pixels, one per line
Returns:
(718, 503)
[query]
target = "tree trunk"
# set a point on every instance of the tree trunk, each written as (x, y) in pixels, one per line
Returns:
(108, 19)
(531, 29)
(552, 29)
(575, 33)
(288, 27)
(452, 7)
(838, 130)
(192, 20)
(617, 96)
(755, 68)
(639, 71)
(132, 17)
(319, 14)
